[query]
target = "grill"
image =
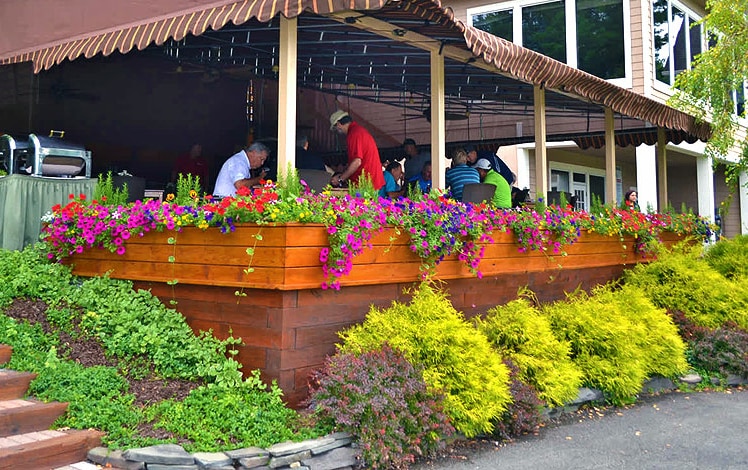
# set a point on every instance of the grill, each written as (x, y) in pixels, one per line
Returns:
(44, 156)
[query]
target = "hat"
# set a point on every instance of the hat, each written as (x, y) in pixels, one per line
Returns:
(482, 164)
(337, 116)
(409, 142)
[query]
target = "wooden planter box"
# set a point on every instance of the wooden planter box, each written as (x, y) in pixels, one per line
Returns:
(288, 324)
(287, 258)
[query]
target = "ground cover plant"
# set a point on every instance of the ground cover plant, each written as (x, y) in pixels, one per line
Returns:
(128, 365)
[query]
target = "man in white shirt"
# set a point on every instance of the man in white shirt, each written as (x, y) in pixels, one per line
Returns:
(236, 171)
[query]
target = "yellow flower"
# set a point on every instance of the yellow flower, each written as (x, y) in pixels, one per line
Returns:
(170, 197)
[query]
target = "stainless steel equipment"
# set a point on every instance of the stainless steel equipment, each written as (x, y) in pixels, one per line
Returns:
(45, 156)
(9, 149)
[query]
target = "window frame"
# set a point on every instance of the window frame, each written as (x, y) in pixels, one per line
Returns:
(570, 14)
(692, 17)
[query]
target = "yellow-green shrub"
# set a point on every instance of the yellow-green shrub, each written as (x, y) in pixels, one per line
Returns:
(521, 333)
(684, 281)
(456, 357)
(729, 257)
(618, 339)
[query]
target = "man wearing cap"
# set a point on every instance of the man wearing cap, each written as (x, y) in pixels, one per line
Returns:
(497, 163)
(363, 155)
(414, 160)
(502, 196)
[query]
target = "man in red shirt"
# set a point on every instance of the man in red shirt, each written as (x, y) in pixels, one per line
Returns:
(363, 155)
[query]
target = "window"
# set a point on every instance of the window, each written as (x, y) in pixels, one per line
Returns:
(591, 35)
(583, 182)
(677, 37)
(600, 36)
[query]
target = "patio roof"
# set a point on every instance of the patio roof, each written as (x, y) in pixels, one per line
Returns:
(372, 50)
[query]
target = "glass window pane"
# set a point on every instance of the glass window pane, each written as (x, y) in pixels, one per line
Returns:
(544, 29)
(740, 101)
(695, 33)
(600, 38)
(660, 34)
(678, 33)
(498, 23)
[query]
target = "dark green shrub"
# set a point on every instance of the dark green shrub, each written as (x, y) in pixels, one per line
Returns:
(728, 257)
(381, 399)
(523, 416)
(684, 281)
(722, 350)
(618, 339)
(457, 358)
(217, 418)
(521, 333)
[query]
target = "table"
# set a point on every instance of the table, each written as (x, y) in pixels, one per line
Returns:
(25, 199)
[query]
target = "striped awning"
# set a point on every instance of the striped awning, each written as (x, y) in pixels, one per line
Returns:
(508, 59)
(157, 31)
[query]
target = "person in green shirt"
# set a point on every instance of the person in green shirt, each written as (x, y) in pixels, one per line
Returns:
(502, 197)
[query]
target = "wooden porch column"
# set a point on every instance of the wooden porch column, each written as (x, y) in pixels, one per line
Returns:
(287, 94)
(662, 197)
(610, 157)
(541, 151)
(438, 145)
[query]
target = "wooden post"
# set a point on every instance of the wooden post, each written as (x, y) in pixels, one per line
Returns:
(287, 94)
(610, 157)
(438, 146)
(541, 152)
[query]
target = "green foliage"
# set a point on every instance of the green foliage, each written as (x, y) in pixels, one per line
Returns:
(618, 339)
(106, 193)
(522, 334)
(132, 324)
(381, 399)
(30, 274)
(189, 190)
(457, 359)
(728, 257)
(30, 344)
(220, 418)
(684, 281)
(97, 397)
(705, 89)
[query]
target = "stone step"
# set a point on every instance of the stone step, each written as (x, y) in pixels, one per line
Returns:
(47, 449)
(14, 384)
(25, 416)
(5, 352)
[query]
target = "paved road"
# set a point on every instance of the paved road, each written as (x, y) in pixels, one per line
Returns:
(704, 431)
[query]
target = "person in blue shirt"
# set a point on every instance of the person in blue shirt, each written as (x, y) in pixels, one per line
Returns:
(460, 174)
(393, 175)
(422, 180)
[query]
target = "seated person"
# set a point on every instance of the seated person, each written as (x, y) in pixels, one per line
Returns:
(192, 163)
(423, 179)
(393, 175)
(502, 196)
(497, 164)
(460, 174)
(306, 160)
(237, 171)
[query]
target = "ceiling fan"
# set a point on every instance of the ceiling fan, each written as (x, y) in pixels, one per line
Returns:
(448, 115)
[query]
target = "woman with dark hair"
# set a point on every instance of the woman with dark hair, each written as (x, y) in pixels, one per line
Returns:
(630, 201)
(393, 175)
